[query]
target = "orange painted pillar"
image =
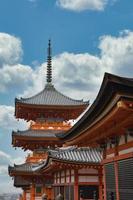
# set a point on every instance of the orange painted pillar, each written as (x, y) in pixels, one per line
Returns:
(24, 195)
(32, 193)
(44, 189)
(116, 181)
(76, 188)
(100, 185)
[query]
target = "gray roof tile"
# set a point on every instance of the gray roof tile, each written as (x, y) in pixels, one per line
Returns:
(50, 96)
(84, 155)
(38, 133)
(26, 167)
(71, 154)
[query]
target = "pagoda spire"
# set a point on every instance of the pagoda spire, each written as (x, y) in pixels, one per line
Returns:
(49, 64)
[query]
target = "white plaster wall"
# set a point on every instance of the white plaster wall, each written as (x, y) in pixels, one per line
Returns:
(27, 196)
(72, 171)
(110, 155)
(67, 172)
(38, 198)
(88, 179)
(62, 179)
(87, 171)
(108, 146)
(62, 173)
(72, 179)
(122, 140)
(126, 151)
(67, 179)
(129, 138)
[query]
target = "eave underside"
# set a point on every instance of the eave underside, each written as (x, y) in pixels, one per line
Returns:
(32, 112)
(116, 122)
(111, 87)
(31, 143)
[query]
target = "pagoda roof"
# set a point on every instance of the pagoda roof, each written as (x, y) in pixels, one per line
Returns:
(51, 133)
(25, 168)
(33, 138)
(69, 155)
(49, 96)
(113, 89)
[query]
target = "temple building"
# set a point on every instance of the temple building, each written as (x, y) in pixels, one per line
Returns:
(108, 124)
(92, 160)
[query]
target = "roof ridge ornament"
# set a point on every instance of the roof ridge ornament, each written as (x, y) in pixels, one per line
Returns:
(49, 64)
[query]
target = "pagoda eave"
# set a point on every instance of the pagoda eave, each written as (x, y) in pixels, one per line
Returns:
(32, 112)
(34, 143)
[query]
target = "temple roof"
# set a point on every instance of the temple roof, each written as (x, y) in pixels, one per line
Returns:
(26, 167)
(70, 155)
(80, 155)
(38, 133)
(49, 96)
(113, 89)
(32, 139)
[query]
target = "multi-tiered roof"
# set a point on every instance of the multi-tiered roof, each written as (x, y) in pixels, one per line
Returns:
(47, 108)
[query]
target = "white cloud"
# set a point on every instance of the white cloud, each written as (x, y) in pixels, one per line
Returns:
(80, 5)
(77, 75)
(6, 182)
(7, 119)
(6, 159)
(13, 74)
(80, 75)
(10, 49)
(15, 77)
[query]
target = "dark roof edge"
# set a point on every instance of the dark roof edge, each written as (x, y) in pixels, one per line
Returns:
(107, 83)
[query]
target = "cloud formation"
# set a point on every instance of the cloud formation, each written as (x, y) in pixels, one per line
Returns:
(80, 75)
(6, 159)
(81, 5)
(6, 183)
(77, 75)
(10, 49)
(7, 119)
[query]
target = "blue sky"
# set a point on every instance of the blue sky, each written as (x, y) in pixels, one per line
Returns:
(88, 38)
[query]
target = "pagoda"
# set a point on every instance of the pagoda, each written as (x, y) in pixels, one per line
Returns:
(49, 113)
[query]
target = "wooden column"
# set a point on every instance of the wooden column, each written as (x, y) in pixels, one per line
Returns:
(44, 189)
(100, 184)
(116, 181)
(76, 192)
(32, 192)
(24, 194)
(104, 182)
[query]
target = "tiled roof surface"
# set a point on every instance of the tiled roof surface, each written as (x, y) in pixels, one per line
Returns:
(26, 167)
(38, 133)
(70, 154)
(50, 96)
(83, 155)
